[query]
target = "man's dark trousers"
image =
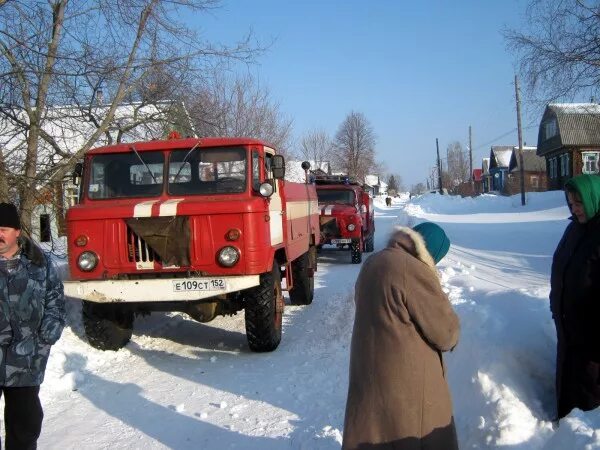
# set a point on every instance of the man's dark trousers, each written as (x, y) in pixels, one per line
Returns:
(22, 417)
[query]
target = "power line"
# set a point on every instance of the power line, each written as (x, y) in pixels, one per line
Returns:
(490, 142)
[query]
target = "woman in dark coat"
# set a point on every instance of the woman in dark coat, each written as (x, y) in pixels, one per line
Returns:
(398, 396)
(575, 299)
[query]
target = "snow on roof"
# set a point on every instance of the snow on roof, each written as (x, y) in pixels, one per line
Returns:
(576, 108)
(70, 127)
(500, 155)
(375, 180)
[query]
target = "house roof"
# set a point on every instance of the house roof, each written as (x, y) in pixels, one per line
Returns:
(531, 161)
(70, 127)
(375, 180)
(578, 125)
(500, 156)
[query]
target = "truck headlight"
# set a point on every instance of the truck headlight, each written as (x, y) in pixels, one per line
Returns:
(266, 189)
(87, 261)
(228, 256)
(351, 227)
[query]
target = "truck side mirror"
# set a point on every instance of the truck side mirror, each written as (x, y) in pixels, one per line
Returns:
(278, 167)
(77, 173)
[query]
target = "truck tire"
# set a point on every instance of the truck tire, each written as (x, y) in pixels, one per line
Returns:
(304, 284)
(107, 327)
(370, 243)
(356, 251)
(264, 312)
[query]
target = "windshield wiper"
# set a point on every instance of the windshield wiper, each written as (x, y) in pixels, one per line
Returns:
(184, 160)
(144, 163)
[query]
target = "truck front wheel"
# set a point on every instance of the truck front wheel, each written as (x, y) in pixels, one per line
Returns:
(107, 327)
(264, 312)
(304, 281)
(356, 251)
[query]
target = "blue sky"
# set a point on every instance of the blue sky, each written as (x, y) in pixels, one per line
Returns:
(416, 70)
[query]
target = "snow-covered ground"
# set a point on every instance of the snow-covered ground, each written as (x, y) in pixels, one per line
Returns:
(181, 384)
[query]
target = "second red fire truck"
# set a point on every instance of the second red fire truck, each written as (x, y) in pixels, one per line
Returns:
(347, 218)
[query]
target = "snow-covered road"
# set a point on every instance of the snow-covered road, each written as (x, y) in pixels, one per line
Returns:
(181, 384)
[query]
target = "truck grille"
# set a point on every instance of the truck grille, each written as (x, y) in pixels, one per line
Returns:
(138, 250)
(329, 226)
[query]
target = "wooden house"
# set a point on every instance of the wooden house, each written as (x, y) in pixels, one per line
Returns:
(569, 140)
(534, 170)
(498, 169)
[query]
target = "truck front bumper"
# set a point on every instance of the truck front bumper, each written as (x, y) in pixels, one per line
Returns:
(158, 290)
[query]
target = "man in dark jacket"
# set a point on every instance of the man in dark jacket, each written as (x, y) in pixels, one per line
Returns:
(575, 299)
(32, 316)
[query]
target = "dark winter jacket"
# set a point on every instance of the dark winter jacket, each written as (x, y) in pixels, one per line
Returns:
(575, 306)
(32, 317)
(398, 396)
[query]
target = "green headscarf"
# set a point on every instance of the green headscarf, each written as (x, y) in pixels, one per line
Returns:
(588, 188)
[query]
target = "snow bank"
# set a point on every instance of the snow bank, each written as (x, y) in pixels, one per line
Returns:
(487, 203)
(181, 384)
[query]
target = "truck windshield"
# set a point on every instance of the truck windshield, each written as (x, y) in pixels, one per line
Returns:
(121, 175)
(219, 170)
(336, 196)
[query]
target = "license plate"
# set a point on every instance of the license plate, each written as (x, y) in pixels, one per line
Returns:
(341, 241)
(203, 284)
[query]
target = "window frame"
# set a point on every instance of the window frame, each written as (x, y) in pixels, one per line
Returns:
(584, 161)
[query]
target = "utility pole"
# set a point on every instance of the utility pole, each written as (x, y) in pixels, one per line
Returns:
(520, 133)
(470, 157)
(439, 166)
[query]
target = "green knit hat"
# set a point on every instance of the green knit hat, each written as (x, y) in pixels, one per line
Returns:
(588, 188)
(435, 238)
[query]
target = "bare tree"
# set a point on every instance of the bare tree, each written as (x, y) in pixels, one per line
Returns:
(354, 145)
(316, 145)
(238, 106)
(457, 166)
(559, 53)
(394, 183)
(75, 53)
(418, 188)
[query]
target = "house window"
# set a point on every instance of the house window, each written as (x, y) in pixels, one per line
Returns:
(590, 162)
(552, 167)
(535, 181)
(550, 129)
(565, 165)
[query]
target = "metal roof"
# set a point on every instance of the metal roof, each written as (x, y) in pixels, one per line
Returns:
(531, 161)
(578, 125)
(500, 156)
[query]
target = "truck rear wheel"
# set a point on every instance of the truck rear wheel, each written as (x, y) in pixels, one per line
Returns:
(304, 281)
(356, 251)
(107, 327)
(264, 312)
(370, 243)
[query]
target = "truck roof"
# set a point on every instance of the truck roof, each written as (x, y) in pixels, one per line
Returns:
(169, 144)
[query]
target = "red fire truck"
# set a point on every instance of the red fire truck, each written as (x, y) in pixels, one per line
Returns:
(347, 218)
(204, 226)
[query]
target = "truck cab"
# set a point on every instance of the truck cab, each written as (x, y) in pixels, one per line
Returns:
(205, 226)
(346, 215)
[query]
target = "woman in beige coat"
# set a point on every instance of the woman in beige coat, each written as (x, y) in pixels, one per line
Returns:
(398, 396)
